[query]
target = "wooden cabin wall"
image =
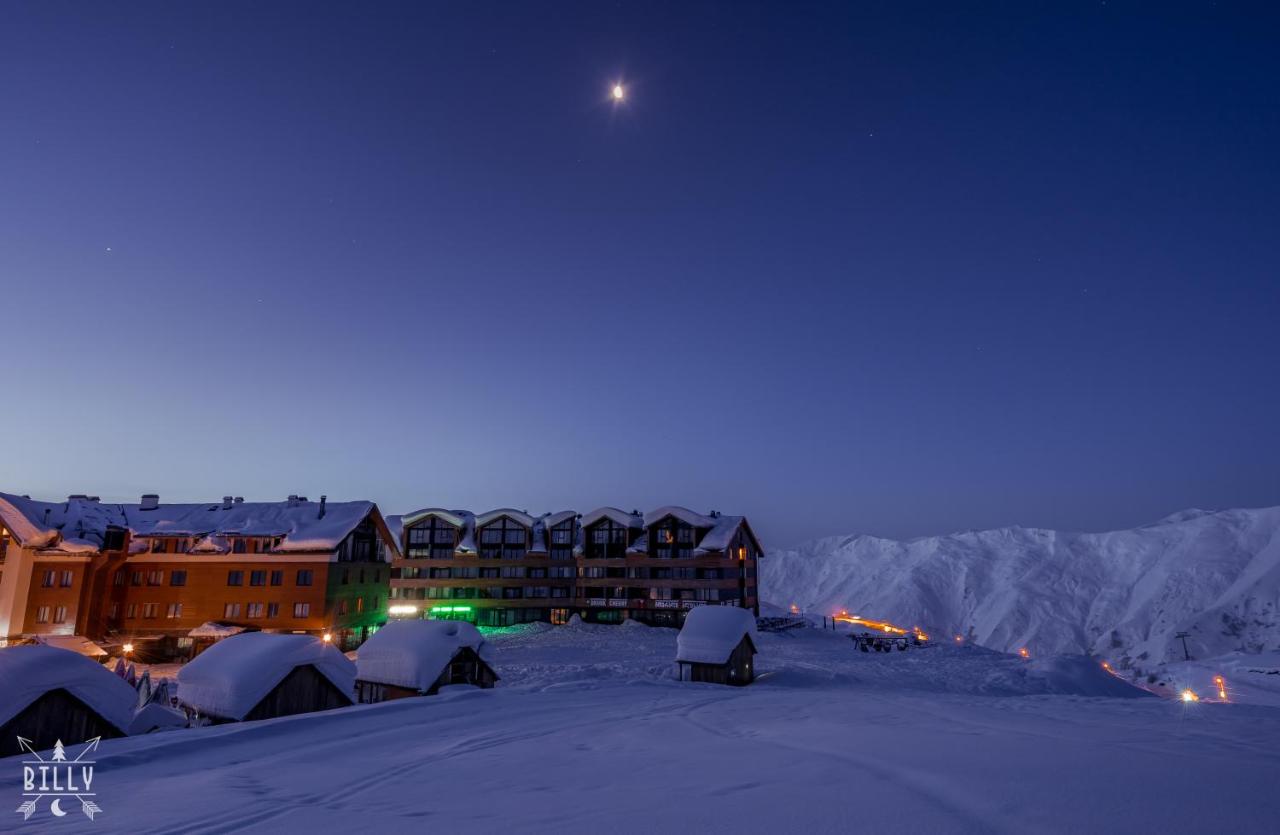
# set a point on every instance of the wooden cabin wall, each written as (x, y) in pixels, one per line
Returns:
(55, 715)
(302, 691)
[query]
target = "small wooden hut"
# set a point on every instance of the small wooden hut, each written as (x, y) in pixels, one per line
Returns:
(717, 645)
(418, 657)
(262, 675)
(49, 695)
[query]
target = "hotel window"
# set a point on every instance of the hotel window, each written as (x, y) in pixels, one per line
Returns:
(150, 610)
(131, 611)
(173, 611)
(59, 614)
(513, 572)
(673, 539)
(537, 591)
(48, 579)
(512, 592)
(606, 539)
(235, 578)
(159, 546)
(561, 537)
(231, 610)
(559, 591)
(277, 578)
(273, 610)
(342, 607)
(304, 577)
(359, 605)
(155, 578)
(301, 610)
(433, 538)
(113, 610)
(113, 539)
(42, 614)
(136, 579)
(181, 546)
(239, 545)
(504, 539)
(490, 573)
(257, 578)
(254, 611)
(178, 577)
(120, 577)
(438, 573)
(346, 576)
(562, 571)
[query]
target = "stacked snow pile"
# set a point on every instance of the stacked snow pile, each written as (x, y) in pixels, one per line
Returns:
(1121, 596)
(413, 653)
(28, 672)
(232, 676)
(711, 633)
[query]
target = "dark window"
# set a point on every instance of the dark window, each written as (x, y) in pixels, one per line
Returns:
(503, 538)
(432, 538)
(561, 537)
(178, 578)
(304, 577)
(273, 610)
(239, 545)
(277, 578)
(235, 578)
(257, 578)
(159, 546)
(606, 539)
(672, 539)
(112, 539)
(49, 578)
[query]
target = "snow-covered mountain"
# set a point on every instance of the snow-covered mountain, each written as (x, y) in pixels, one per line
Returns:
(1121, 595)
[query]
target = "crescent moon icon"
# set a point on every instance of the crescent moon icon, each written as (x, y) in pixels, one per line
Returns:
(56, 809)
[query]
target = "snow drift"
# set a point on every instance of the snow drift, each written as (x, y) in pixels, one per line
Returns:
(1121, 595)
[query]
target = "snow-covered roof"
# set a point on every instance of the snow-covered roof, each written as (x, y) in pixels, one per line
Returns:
(78, 525)
(721, 535)
(413, 653)
(75, 643)
(30, 671)
(232, 676)
(550, 520)
(520, 516)
(629, 520)
(154, 716)
(457, 518)
(215, 629)
(711, 633)
(684, 514)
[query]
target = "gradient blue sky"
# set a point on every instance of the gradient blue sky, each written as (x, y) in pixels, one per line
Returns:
(896, 268)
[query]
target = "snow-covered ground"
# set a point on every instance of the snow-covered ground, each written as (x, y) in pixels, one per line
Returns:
(588, 730)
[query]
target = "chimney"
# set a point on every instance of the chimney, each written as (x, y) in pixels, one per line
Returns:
(239, 499)
(323, 499)
(715, 514)
(150, 501)
(226, 502)
(293, 500)
(76, 496)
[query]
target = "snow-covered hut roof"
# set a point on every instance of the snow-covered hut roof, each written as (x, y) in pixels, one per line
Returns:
(520, 516)
(75, 643)
(711, 633)
(30, 671)
(216, 629)
(413, 653)
(154, 716)
(230, 678)
(629, 520)
(79, 524)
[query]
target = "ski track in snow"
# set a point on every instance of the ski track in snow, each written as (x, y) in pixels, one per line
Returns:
(588, 729)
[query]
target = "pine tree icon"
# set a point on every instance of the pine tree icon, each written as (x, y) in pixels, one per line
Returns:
(59, 754)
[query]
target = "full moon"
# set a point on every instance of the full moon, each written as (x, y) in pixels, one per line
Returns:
(618, 92)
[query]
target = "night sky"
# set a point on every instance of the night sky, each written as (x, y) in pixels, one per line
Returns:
(895, 268)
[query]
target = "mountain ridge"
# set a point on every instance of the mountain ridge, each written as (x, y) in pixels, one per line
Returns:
(1121, 595)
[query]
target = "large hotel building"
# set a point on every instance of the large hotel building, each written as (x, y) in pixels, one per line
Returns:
(506, 566)
(165, 578)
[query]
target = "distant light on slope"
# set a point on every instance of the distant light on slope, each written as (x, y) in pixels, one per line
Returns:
(1189, 695)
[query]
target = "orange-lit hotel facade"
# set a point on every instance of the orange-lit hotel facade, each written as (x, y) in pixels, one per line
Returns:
(168, 578)
(506, 566)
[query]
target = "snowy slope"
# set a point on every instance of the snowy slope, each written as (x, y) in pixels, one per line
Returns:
(1121, 595)
(588, 729)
